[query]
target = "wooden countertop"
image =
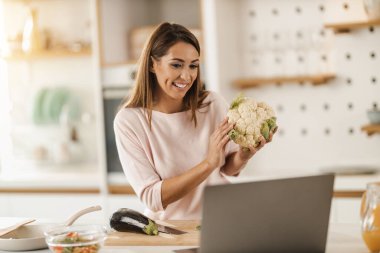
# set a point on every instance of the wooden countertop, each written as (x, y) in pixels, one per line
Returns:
(342, 238)
(136, 239)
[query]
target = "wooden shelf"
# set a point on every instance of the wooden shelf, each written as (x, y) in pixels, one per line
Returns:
(47, 54)
(371, 129)
(346, 26)
(254, 82)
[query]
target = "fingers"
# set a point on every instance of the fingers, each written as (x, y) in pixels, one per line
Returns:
(223, 129)
(262, 143)
(224, 141)
(272, 133)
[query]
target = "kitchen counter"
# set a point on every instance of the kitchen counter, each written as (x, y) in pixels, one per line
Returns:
(342, 238)
(80, 179)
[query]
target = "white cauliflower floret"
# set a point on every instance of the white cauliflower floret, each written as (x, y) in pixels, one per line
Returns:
(252, 120)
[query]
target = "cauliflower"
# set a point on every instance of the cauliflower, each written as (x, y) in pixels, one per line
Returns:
(252, 120)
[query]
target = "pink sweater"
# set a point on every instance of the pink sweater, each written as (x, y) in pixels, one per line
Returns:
(170, 148)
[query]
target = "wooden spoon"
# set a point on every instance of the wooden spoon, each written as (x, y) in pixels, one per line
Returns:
(7, 230)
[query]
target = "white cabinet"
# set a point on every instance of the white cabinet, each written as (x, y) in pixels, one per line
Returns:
(345, 210)
(4, 205)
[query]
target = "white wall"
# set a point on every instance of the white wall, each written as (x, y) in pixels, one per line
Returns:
(310, 137)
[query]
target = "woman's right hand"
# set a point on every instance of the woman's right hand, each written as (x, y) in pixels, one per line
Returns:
(217, 143)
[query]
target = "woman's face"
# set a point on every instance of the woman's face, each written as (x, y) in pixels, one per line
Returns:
(176, 71)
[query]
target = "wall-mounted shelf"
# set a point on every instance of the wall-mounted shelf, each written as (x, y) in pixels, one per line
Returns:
(346, 26)
(62, 53)
(254, 82)
(371, 129)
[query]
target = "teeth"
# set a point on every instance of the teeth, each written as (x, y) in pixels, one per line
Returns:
(180, 85)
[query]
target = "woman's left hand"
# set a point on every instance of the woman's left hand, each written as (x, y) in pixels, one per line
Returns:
(245, 154)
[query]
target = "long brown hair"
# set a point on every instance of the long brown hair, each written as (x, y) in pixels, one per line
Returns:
(162, 38)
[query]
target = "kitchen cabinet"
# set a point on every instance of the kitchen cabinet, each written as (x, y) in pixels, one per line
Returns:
(4, 203)
(59, 81)
(345, 210)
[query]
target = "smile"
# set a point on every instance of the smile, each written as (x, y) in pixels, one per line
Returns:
(180, 85)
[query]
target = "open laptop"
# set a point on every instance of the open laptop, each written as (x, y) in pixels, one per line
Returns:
(281, 215)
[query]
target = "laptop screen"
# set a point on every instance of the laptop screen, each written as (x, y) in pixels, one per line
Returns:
(281, 215)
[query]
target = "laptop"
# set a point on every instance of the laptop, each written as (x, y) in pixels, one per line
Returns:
(281, 215)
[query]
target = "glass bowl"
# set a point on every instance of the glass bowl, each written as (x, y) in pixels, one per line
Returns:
(76, 239)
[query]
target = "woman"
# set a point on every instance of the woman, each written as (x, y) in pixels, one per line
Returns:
(171, 135)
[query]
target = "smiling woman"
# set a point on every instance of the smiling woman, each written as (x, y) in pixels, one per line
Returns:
(171, 134)
(175, 72)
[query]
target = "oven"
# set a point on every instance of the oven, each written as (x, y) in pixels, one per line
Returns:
(117, 85)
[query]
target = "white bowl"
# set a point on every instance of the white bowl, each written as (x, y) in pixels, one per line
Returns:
(29, 237)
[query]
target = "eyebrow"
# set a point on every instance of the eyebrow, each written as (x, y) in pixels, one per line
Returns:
(178, 59)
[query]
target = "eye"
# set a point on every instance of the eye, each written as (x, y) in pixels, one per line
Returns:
(194, 66)
(176, 65)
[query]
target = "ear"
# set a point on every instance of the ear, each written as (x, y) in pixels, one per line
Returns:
(151, 68)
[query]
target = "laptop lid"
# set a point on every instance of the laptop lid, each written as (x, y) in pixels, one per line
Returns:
(281, 215)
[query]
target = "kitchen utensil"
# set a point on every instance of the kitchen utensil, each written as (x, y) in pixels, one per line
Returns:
(31, 237)
(77, 238)
(169, 230)
(75, 216)
(370, 217)
(9, 229)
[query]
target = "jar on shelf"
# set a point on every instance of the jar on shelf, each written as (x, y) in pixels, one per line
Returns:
(31, 40)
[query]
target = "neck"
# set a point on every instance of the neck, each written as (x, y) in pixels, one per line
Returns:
(168, 106)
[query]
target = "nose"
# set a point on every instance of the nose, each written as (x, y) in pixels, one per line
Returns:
(185, 75)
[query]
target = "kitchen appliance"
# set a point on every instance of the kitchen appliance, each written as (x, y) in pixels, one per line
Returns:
(117, 83)
(112, 100)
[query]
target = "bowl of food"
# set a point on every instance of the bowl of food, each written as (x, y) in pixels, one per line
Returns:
(76, 239)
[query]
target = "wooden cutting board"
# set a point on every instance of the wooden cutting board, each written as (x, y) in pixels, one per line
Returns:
(136, 239)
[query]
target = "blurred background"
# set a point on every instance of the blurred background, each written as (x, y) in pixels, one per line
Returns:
(66, 65)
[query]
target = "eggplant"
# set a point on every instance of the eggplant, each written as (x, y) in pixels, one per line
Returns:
(128, 220)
